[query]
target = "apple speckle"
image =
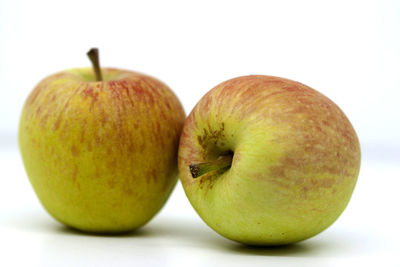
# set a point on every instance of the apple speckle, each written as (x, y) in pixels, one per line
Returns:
(74, 151)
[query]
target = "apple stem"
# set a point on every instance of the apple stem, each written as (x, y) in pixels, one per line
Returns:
(200, 169)
(93, 55)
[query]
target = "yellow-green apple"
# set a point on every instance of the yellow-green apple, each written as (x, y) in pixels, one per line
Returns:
(268, 161)
(101, 154)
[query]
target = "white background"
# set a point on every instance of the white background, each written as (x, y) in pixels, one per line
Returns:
(348, 50)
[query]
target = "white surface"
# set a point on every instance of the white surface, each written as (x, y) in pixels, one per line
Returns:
(348, 50)
(367, 233)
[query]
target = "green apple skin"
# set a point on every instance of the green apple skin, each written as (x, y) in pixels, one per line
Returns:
(101, 156)
(296, 160)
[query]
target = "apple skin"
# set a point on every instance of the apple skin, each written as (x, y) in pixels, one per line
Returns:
(296, 160)
(101, 156)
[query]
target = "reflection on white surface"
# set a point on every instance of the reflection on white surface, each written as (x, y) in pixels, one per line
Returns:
(367, 233)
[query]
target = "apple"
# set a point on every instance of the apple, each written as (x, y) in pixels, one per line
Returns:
(268, 161)
(101, 153)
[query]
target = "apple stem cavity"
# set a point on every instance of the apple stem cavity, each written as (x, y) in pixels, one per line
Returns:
(221, 163)
(93, 55)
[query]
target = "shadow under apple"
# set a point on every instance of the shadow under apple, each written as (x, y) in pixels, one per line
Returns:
(176, 232)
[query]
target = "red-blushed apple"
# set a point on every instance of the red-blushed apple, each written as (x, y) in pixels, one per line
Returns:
(100, 146)
(268, 161)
